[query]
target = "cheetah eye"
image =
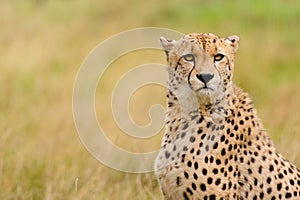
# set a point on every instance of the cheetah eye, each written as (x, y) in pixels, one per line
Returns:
(189, 57)
(218, 57)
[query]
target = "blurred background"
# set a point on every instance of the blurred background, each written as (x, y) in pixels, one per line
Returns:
(42, 45)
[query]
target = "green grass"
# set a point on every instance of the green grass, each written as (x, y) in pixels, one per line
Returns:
(43, 44)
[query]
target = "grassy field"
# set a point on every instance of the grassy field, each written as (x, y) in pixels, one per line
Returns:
(43, 44)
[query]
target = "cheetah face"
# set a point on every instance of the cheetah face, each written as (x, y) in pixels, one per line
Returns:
(202, 64)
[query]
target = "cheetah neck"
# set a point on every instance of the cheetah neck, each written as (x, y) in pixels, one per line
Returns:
(183, 101)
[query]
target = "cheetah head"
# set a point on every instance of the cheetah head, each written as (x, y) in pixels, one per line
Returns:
(201, 64)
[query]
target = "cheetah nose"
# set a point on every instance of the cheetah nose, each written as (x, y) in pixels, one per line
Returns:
(205, 78)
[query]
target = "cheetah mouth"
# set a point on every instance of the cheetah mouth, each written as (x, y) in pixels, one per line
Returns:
(205, 89)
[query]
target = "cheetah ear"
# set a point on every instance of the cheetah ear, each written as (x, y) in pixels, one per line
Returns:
(233, 41)
(167, 44)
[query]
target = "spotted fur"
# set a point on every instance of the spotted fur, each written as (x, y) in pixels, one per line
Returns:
(215, 146)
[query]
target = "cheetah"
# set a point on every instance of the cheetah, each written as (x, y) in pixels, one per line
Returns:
(215, 146)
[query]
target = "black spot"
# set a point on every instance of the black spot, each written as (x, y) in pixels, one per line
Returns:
(192, 150)
(209, 180)
(182, 135)
(185, 126)
(222, 170)
(295, 193)
(236, 127)
(250, 171)
(203, 187)
(249, 131)
(182, 157)
(186, 175)
(211, 159)
(178, 181)
(189, 163)
(218, 181)
(226, 161)
(204, 171)
(229, 185)
(232, 123)
(239, 114)
(271, 168)
(261, 195)
(185, 196)
(192, 139)
(194, 117)
(215, 145)
(279, 186)
(241, 159)
(196, 165)
(242, 137)
(201, 120)
(224, 186)
(174, 148)
(288, 195)
(194, 186)
(212, 197)
(167, 154)
(228, 131)
(206, 159)
(255, 181)
(223, 152)
(213, 127)
(222, 138)
(200, 144)
(258, 147)
(218, 161)
(189, 191)
(195, 176)
(209, 124)
(207, 148)
(215, 171)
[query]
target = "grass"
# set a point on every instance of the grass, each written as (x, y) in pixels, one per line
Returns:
(43, 44)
